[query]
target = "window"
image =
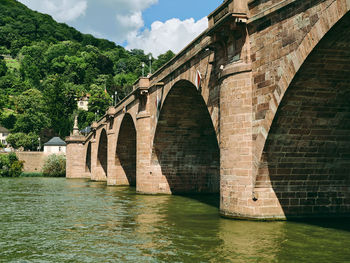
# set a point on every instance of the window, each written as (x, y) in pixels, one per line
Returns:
(81, 103)
(59, 148)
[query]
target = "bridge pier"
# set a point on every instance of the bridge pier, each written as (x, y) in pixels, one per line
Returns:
(112, 168)
(236, 145)
(76, 151)
(145, 182)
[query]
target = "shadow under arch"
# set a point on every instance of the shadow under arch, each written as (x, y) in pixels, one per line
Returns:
(88, 159)
(125, 157)
(306, 158)
(102, 154)
(185, 149)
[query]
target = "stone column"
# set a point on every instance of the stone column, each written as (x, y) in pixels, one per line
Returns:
(76, 154)
(236, 142)
(94, 151)
(111, 147)
(144, 182)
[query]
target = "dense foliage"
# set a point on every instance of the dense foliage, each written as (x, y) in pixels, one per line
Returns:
(54, 166)
(45, 66)
(10, 166)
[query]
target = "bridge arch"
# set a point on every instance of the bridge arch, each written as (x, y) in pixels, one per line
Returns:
(88, 159)
(102, 155)
(306, 156)
(185, 151)
(290, 67)
(125, 153)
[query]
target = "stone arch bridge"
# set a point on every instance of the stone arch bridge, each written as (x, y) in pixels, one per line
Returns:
(267, 127)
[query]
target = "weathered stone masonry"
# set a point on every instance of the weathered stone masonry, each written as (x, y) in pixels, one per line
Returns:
(268, 128)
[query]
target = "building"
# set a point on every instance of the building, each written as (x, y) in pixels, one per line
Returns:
(3, 135)
(83, 102)
(55, 145)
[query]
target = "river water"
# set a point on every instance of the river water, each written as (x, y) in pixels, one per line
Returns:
(59, 220)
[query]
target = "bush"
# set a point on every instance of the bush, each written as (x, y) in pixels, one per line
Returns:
(55, 166)
(31, 174)
(10, 166)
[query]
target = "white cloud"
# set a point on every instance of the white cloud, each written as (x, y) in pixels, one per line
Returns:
(173, 34)
(123, 22)
(60, 10)
(129, 5)
(128, 24)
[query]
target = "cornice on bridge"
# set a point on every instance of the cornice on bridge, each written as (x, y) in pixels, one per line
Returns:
(267, 11)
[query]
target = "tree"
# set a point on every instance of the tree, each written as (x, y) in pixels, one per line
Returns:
(3, 67)
(8, 120)
(85, 118)
(10, 165)
(27, 141)
(162, 59)
(3, 99)
(60, 98)
(99, 100)
(31, 112)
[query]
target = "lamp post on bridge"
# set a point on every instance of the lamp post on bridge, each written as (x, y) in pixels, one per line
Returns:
(150, 64)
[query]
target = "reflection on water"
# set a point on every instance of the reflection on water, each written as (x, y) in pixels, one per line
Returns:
(58, 220)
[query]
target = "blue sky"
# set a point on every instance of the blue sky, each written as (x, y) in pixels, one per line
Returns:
(182, 9)
(152, 25)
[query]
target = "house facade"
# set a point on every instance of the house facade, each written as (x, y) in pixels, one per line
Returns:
(55, 146)
(3, 135)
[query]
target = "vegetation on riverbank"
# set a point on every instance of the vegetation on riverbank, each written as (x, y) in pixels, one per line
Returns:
(46, 66)
(55, 166)
(30, 174)
(10, 166)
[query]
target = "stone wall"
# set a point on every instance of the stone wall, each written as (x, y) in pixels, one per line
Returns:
(33, 161)
(307, 153)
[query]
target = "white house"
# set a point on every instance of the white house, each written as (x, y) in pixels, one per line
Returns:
(55, 145)
(3, 135)
(83, 102)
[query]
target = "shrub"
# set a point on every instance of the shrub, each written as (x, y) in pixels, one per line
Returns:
(55, 166)
(31, 174)
(10, 166)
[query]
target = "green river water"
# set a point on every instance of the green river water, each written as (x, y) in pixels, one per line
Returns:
(59, 220)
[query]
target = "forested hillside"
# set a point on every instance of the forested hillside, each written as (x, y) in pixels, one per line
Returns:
(45, 66)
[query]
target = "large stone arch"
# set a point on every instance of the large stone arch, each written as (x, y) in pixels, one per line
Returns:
(306, 156)
(125, 152)
(102, 155)
(290, 66)
(185, 152)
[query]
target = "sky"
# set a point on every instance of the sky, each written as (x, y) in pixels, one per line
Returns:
(155, 26)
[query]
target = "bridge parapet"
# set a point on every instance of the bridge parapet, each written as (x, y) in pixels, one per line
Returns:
(236, 8)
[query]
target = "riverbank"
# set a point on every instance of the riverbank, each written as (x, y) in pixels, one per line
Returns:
(31, 174)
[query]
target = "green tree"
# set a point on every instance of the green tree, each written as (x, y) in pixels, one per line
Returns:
(8, 119)
(27, 141)
(3, 67)
(99, 100)
(85, 118)
(31, 112)
(162, 59)
(10, 165)
(60, 99)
